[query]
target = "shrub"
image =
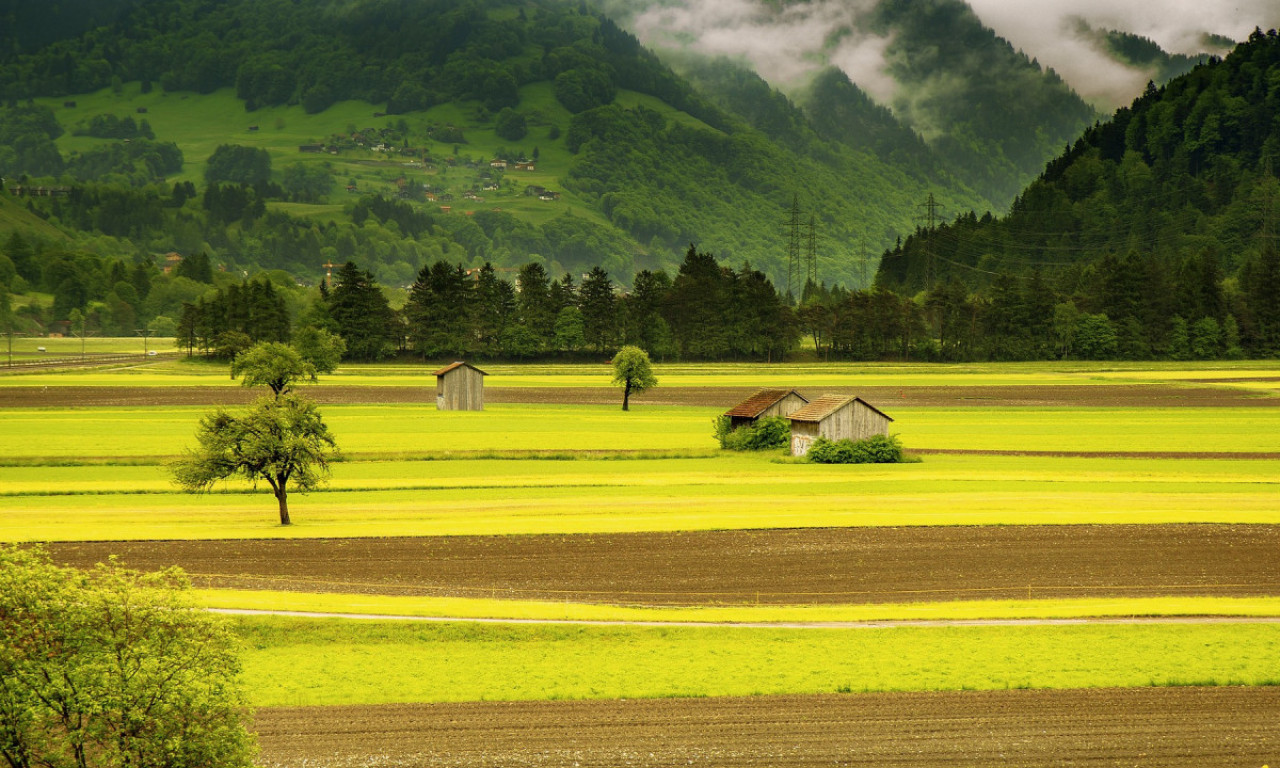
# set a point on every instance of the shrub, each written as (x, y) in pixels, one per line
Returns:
(876, 449)
(766, 434)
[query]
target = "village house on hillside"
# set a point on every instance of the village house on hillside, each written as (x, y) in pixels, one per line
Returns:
(766, 402)
(835, 417)
(460, 387)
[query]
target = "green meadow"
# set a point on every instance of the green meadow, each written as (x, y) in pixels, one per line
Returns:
(309, 662)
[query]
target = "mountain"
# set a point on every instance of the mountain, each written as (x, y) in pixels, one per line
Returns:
(1166, 213)
(991, 115)
(281, 134)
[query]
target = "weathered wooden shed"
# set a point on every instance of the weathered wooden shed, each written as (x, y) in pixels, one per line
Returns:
(766, 402)
(460, 387)
(835, 417)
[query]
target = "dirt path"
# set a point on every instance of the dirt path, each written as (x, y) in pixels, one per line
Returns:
(1107, 728)
(770, 567)
(1100, 395)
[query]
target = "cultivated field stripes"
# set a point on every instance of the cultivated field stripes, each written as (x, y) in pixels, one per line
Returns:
(744, 567)
(1258, 395)
(696, 597)
(1108, 728)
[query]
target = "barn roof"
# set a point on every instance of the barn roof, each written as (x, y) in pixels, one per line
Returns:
(452, 366)
(828, 404)
(760, 402)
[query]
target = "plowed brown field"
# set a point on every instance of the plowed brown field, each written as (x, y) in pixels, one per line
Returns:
(833, 565)
(1122, 395)
(1166, 727)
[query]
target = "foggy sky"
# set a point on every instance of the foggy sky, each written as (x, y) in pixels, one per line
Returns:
(786, 45)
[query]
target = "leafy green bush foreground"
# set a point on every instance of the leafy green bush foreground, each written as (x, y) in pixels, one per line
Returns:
(768, 433)
(877, 449)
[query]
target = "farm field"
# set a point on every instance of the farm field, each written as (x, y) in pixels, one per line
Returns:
(1041, 493)
(1109, 728)
(789, 567)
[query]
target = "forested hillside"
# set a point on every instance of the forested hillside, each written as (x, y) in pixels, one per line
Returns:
(518, 130)
(1160, 223)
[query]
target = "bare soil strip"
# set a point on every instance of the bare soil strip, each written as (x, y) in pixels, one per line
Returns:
(1100, 395)
(767, 567)
(1168, 727)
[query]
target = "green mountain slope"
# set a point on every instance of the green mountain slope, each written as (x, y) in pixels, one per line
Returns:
(622, 163)
(1170, 209)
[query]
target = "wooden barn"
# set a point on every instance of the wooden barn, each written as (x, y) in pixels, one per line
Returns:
(460, 387)
(766, 402)
(835, 417)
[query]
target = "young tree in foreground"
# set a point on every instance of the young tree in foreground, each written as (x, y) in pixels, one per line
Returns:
(112, 668)
(633, 372)
(279, 440)
(272, 364)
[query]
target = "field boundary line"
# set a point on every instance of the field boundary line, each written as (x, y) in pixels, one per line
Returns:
(870, 624)
(445, 591)
(1224, 455)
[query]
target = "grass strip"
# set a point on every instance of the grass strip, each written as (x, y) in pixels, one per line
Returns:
(492, 608)
(310, 662)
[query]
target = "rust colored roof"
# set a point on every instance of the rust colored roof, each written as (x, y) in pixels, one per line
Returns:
(452, 366)
(760, 402)
(828, 404)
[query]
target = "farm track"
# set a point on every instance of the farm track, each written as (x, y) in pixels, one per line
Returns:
(767, 567)
(1097, 395)
(1168, 727)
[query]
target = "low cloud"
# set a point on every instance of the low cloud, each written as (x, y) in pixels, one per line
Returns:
(787, 42)
(1052, 34)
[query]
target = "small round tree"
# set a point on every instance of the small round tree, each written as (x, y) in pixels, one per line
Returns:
(271, 364)
(633, 372)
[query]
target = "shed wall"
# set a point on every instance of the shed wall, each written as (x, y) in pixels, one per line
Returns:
(461, 389)
(854, 421)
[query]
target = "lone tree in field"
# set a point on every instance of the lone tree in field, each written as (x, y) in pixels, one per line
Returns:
(281, 440)
(112, 668)
(272, 364)
(633, 372)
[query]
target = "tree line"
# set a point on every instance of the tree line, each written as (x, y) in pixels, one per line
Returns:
(706, 311)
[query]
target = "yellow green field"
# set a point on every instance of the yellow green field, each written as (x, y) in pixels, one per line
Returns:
(97, 474)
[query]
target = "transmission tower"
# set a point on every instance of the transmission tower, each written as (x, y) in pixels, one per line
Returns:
(931, 207)
(862, 246)
(811, 253)
(794, 267)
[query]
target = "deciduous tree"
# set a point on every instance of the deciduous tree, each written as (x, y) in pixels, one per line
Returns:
(280, 440)
(271, 364)
(633, 372)
(113, 668)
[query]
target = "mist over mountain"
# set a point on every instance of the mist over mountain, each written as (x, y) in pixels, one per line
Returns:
(990, 112)
(788, 42)
(1062, 34)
